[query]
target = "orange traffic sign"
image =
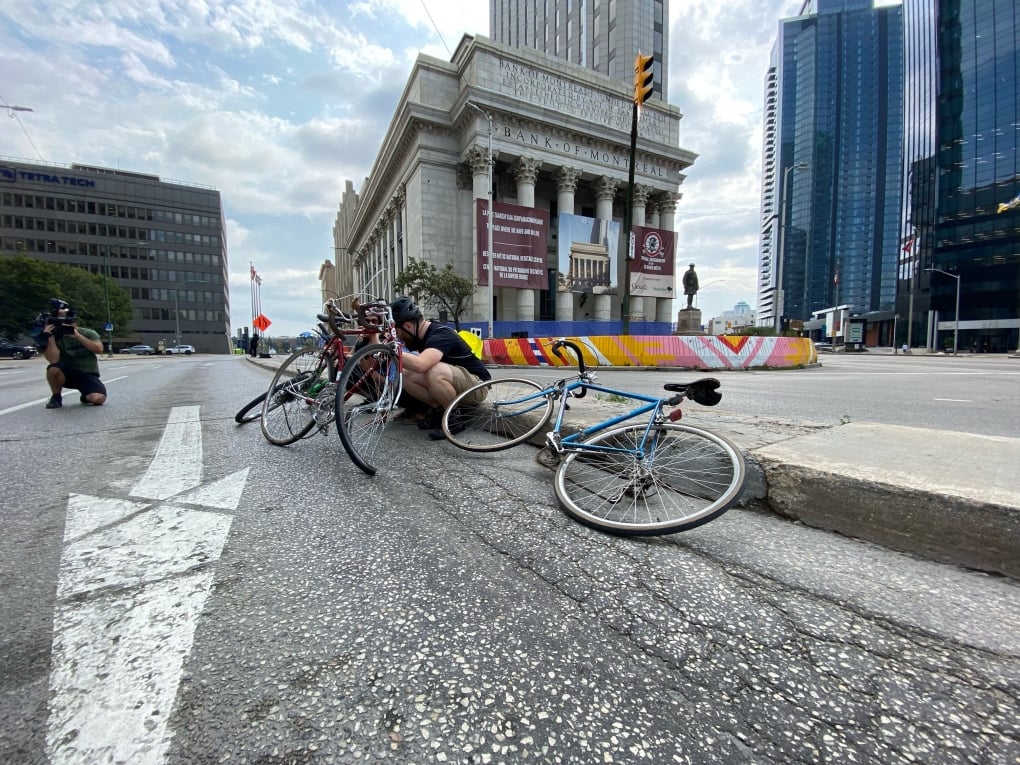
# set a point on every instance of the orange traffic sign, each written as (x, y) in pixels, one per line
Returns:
(261, 322)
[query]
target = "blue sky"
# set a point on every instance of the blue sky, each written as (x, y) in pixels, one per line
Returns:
(277, 103)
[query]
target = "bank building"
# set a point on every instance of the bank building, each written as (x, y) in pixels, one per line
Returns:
(551, 139)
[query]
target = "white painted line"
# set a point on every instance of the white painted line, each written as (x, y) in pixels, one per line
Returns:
(955, 400)
(39, 401)
(177, 465)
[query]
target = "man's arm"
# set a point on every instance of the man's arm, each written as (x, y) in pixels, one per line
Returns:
(51, 353)
(423, 361)
(96, 346)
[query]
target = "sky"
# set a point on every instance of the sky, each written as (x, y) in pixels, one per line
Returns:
(276, 103)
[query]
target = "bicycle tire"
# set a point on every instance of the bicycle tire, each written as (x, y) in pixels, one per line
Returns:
(512, 412)
(288, 413)
(367, 393)
(250, 411)
(688, 477)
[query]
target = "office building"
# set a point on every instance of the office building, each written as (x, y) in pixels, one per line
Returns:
(559, 136)
(832, 163)
(162, 241)
(601, 35)
(962, 162)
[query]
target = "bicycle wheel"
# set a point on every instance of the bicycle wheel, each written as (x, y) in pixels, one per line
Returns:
(685, 478)
(512, 411)
(288, 411)
(250, 411)
(367, 393)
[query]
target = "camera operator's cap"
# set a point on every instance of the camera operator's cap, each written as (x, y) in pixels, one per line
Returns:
(56, 304)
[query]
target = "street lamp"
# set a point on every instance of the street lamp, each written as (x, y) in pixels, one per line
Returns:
(779, 304)
(956, 317)
(106, 291)
(492, 212)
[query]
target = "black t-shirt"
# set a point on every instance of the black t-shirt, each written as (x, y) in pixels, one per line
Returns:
(455, 351)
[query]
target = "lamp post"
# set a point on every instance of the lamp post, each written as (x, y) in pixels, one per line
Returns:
(106, 292)
(956, 317)
(779, 304)
(489, 247)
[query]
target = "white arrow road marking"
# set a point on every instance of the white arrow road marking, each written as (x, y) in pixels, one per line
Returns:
(134, 577)
(177, 465)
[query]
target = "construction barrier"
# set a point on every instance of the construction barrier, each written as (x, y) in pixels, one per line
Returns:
(683, 351)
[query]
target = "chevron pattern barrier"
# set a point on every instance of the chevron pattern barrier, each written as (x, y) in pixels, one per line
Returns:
(683, 351)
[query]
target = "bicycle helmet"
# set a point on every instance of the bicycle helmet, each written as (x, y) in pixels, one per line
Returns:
(404, 309)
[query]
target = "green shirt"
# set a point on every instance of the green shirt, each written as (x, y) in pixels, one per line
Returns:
(77, 356)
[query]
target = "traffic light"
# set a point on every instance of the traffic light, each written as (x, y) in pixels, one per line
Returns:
(642, 78)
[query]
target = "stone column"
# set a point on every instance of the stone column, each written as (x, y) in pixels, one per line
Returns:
(566, 185)
(526, 174)
(478, 160)
(605, 191)
(637, 212)
(667, 209)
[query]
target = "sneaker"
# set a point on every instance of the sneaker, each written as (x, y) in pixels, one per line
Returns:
(433, 420)
(456, 425)
(55, 402)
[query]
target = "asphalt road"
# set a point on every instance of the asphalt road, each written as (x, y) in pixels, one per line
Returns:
(175, 589)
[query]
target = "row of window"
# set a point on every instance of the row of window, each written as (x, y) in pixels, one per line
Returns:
(186, 314)
(122, 251)
(108, 209)
(19, 222)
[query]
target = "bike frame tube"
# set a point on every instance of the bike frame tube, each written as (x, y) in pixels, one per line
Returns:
(573, 441)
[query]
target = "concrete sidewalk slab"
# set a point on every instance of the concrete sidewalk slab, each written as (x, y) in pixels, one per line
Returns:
(945, 495)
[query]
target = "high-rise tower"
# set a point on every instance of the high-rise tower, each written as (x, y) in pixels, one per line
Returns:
(832, 166)
(601, 35)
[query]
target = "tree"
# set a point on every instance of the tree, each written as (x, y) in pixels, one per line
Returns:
(27, 284)
(452, 292)
(441, 290)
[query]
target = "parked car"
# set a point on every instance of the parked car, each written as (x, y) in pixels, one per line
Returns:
(10, 350)
(187, 350)
(140, 350)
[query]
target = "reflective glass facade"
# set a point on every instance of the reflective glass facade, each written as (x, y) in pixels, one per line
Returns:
(838, 106)
(977, 129)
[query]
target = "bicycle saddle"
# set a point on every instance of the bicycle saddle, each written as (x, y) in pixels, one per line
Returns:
(701, 391)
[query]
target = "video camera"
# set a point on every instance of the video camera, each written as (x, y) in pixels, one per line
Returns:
(62, 325)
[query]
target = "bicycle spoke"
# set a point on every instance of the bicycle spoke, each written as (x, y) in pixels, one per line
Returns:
(684, 477)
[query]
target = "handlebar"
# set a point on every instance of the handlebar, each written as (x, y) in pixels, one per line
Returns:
(564, 343)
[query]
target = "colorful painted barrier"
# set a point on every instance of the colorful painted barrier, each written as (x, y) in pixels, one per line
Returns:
(685, 351)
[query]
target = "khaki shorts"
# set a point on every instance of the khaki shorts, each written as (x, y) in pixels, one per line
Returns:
(462, 380)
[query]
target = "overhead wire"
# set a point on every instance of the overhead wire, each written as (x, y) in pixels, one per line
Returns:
(13, 114)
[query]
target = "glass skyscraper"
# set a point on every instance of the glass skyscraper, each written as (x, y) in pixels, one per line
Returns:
(974, 84)
(832, 162)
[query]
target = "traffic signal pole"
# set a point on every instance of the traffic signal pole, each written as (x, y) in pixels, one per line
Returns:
(643, 75)
(628, 222)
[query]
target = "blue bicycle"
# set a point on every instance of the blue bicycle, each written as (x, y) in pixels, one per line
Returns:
(655, 477)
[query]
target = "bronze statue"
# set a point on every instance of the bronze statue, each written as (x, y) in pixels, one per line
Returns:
(690, 285)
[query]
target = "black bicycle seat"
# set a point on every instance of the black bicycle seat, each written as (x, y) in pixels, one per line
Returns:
(701, 391)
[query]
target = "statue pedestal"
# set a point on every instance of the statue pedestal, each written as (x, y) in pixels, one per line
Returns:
(688, 322)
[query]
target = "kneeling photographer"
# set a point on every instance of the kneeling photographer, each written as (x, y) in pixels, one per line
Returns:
(73, 353)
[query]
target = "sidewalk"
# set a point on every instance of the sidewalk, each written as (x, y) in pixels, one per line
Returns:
(945, 496)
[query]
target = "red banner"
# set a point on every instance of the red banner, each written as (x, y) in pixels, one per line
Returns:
(652, 270)
(521, 237)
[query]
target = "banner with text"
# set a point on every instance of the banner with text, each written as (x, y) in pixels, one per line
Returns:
(521, 239)
(587, 254)
(651, 271)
